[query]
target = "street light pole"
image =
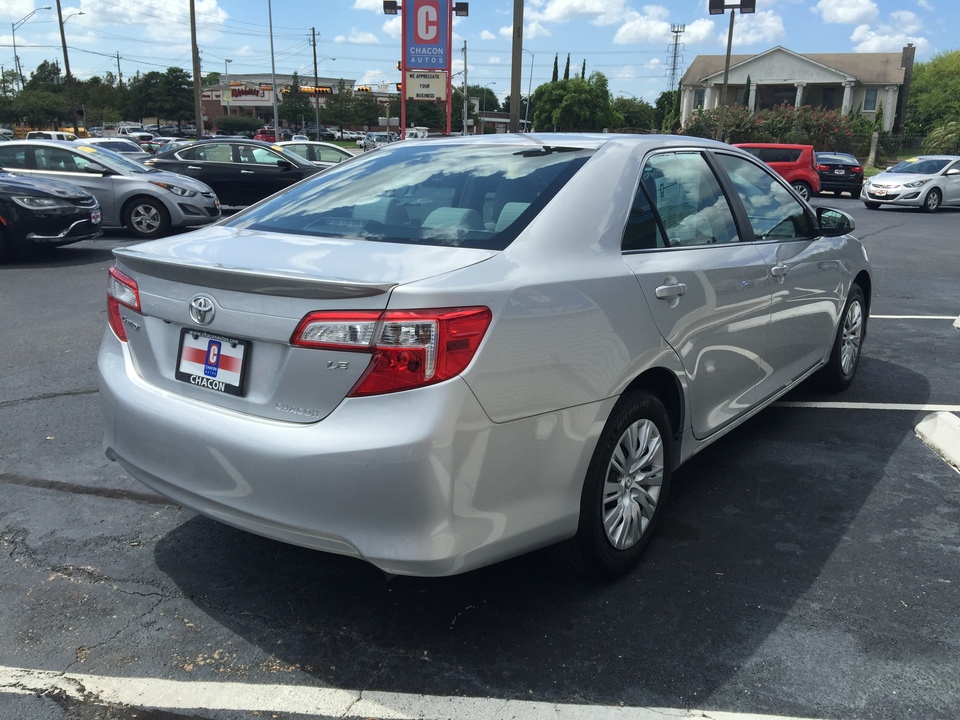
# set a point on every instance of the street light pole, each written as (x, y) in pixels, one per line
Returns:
(718, 7)
(13, 34)
(483, 107)
(526, 111)
(226, 76)
(273, 77)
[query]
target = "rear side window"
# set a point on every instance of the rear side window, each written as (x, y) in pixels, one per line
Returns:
(783, 155)
(13, 157)
(691, 206)
(773, 211)
(430, 193)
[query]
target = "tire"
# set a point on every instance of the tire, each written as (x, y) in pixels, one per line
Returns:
(619, 510)
(803, 190)
(932, 201)
(147, 218)
(872, 205)
(838, 373)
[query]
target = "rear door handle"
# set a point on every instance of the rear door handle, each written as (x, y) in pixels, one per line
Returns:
(247, 172)
(193, 167)
(779, 272)
(674, 290)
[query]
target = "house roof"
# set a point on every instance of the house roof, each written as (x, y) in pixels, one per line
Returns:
(868, 68)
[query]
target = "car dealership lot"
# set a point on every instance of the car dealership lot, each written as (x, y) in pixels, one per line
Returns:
(808, 564)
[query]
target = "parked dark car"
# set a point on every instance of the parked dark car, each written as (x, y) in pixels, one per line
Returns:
(839, 173)
(44, 213)
(241, 172)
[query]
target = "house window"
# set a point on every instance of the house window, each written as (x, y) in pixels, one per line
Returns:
(828, 98)
(870, 100)
(698, 96)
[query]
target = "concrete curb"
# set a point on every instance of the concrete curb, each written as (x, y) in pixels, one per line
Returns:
(941, 431)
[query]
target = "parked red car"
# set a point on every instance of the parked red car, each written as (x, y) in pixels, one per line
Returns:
(795, 163)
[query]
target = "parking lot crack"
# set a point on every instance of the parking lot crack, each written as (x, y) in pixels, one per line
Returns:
(47, 396)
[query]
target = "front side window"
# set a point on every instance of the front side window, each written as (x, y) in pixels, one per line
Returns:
(433, 193)
(692, 207)
(775, 214)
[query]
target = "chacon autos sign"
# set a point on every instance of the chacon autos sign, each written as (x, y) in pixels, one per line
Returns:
(427, 24)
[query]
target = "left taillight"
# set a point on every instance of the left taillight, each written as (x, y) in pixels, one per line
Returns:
(121, 290)
(409, 348)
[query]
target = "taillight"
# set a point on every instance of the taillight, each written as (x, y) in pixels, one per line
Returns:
(121, 290)
(410, 348)
(823, 168)
(857, 169)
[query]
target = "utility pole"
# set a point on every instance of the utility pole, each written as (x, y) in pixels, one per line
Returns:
(466, 100)
(517, 66)
(197, 92)
(119, 74)
(66, 67)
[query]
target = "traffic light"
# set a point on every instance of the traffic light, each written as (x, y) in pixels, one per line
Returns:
(363, 88)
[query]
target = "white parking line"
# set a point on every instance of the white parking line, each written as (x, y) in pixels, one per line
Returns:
(256, 698)
(908, 407)
(914, 317)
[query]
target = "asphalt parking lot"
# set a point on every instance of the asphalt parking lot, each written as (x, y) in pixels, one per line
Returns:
(808, 565)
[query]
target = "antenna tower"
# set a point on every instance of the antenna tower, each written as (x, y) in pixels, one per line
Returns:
(675, 57)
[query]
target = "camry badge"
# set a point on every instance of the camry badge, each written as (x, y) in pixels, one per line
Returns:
(202, 310)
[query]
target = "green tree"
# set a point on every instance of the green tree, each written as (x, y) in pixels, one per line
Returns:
(746, 93)
(637, 114)
(100, 100)
(238, 124)
(934, 92)
(341, 108)
(176, 95)
(45, 77)
(144, 96)
(367, 111)
(570, 105)
(556, 76)
(40, 107)
(296, 106)
(667, 111)
(583, 70)
(566, 68)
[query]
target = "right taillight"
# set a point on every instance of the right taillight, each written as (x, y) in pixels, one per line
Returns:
(121, 290)
(409, 348)
(823, 168)
(857, 169)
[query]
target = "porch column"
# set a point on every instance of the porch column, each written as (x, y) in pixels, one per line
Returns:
(753, 97)
(799, 99)
(847, 98)
(889, 107)
(686, 100)
(708, 96)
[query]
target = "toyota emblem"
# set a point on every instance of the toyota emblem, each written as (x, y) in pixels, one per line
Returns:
(202, 310)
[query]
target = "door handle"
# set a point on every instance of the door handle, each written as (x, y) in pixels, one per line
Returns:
(779, 271)
(674, 290)
(193, 167)
(247, 172)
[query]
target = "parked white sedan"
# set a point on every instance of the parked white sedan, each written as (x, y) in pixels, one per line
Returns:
(446, 353)
(925, 182)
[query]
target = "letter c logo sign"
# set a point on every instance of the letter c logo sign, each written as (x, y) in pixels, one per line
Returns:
(427, 22)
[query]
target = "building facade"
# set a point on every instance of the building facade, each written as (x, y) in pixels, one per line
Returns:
(869, 83)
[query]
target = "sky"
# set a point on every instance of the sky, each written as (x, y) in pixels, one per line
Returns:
(629, 42)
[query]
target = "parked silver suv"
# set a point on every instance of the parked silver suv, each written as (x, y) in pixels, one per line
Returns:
(149, 203)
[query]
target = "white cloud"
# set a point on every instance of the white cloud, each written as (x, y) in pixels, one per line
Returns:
(762, 27)
(487, 35)
(652, 26)
(698, 31)
(495, 60)
(654, 64)
(532, 30)
(847, 11)
(376, 5)
(357, 37)
(602, 12)
(924, 4)
(393, 27)
(887, 38)
(628, 72)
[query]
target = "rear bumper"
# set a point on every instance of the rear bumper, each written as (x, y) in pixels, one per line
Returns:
(418, 482)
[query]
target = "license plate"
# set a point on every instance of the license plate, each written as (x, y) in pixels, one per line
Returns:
(95, 216)
(879, 193)
(839, 172)
(211, 361)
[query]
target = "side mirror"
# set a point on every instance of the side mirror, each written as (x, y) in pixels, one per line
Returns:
(97, 169)
(284, 165)
(953, 171)
(834, 223)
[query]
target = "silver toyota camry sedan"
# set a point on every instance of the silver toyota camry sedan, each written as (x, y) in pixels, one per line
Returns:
(449, 352)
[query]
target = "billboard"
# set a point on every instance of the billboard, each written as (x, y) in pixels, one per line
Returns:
(427, 28)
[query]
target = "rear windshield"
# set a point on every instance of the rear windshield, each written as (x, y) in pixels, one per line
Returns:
(424, 192)
(769, 155)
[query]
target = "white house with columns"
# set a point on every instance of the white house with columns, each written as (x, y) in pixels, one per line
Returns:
(847, 82)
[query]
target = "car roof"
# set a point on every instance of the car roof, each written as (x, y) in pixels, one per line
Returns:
(792, 146)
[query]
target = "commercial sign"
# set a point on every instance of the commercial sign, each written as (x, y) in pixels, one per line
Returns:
(420, 85)
(427, 26)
